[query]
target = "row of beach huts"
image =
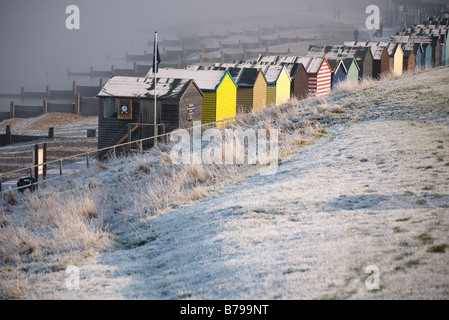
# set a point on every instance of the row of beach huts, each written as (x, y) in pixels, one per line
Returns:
(216, 93)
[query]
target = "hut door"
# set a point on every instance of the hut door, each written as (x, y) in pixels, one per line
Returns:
(148, 117)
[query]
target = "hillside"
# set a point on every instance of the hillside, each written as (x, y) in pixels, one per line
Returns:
(363, 181)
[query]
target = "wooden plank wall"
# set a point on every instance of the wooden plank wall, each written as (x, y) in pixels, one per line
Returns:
(226, 99)
(111, 130)
(301, 84)
(190, 97)
(259, 93)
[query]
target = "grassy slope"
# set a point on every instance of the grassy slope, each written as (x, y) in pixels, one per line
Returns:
(372, 191)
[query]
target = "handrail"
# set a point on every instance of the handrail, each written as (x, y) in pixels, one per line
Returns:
(123, 139)
(98, 151)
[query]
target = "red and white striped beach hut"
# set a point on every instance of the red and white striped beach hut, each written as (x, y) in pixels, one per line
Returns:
(320, 76)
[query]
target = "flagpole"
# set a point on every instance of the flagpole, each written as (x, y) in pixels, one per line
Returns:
(155, 67)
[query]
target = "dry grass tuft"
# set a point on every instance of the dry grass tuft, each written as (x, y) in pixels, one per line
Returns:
(11, 197)
(14, 289)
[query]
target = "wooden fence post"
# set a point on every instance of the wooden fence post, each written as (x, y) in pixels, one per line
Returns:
(74, 88)
(36, 162)
(13, 109)
(8, 135)
(44, 160)
(78, 103)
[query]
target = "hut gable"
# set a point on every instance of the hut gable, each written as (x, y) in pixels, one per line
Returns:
(396, 58)
(299, 77)
(320, 76)
(278, 83)
(252, 89)
(339, 71)
(248, 77)
(352, 70)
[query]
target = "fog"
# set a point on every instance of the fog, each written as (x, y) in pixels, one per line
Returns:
(37, 48)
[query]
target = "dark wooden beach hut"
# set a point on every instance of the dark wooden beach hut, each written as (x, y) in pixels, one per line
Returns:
(127, 108)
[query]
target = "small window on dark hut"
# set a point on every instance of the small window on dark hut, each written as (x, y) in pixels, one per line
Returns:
(110, 108)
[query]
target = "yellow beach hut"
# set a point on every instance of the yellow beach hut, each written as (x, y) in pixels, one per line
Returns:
(252, 88)
(396, 58)
(278, 83)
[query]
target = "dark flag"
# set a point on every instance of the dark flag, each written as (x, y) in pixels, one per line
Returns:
(157, 57)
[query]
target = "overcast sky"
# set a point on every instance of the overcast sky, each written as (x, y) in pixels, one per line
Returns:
(36, 45)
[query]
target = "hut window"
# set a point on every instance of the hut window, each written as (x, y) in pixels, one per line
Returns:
(110, 108)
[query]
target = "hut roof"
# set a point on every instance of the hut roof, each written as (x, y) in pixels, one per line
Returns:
(315, 65)
(133, 87)
(347, 63)
(338, 52)
(393, 47)
(335, 64)
(205, 79)
(272, 72)
(376, 47)
(246, 77)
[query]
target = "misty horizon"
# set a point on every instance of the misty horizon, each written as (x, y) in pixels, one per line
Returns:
(38, 48)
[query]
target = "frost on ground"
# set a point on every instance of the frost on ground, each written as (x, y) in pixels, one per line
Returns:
(371, 191)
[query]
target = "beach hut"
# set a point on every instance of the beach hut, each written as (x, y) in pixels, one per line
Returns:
(396, 58)
(320, 76)
(427, 55)
(278, 83)
(251, 88)
(339, 72)
(381, 59)
(218, 87)
(444, 31)
(352, 69)
(409, 57)
(127, 108)
(419, 54)
(299, 77)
